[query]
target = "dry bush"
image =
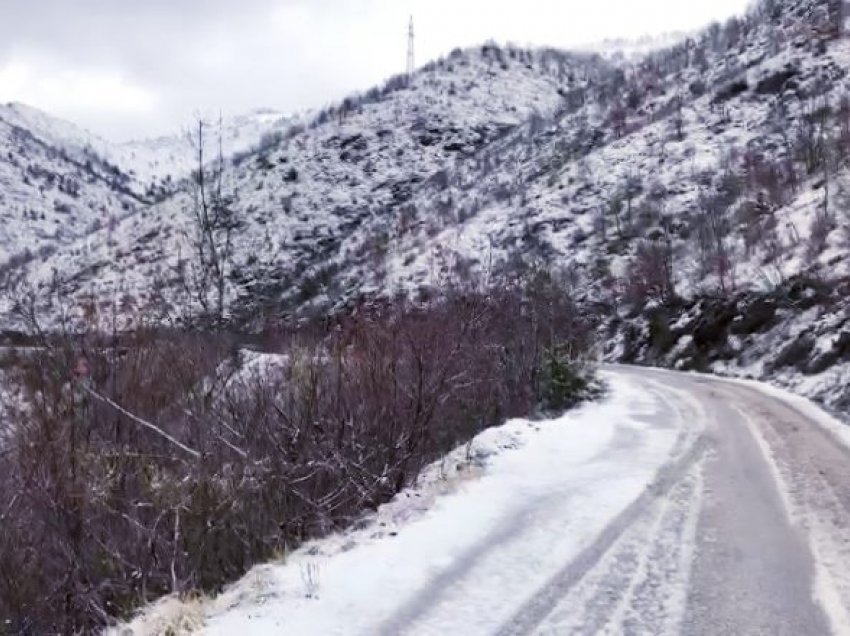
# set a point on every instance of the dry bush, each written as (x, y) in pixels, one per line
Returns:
(160, 462)
(650, 275)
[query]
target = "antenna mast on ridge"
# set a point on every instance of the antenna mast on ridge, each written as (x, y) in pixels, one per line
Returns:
(411, 60)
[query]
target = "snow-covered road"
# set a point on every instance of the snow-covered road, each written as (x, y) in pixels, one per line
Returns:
(679, 505)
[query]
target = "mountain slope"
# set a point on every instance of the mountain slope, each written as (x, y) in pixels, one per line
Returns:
(318, 206)
(172, 157)
(51, 193)
(60, 184)
(148, 162)
(724, 126)
(715, 165)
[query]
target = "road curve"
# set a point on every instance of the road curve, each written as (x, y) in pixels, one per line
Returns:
(772, 538)
(743, 529)
(769, 493)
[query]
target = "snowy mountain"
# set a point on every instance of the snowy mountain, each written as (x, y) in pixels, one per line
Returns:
(148, 161)
(59, 183)
(717, 164)
(684, 208)
(53, 187)
(322, 202)
(174, 156)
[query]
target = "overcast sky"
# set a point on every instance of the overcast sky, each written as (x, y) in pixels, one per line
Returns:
(133, 68)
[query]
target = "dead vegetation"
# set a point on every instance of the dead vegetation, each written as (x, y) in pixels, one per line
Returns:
(142, 464)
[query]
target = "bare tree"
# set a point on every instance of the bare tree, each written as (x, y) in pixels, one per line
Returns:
(618, 116)
(843, 120)
(810, 136)
(213, 222)
(632, 187)
(677, 121)
(712, 232)
(600, 222)
(651, 273)
(615, 206)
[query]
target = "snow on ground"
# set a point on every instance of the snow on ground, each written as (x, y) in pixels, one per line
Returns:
(467, 545)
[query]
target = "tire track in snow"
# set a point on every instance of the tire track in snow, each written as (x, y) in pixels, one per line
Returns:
(648, 506)
(435, 606)
(640, 585)
(440, 586)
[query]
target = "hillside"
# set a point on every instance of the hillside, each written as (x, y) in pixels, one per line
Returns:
(52, 193)
(316, 210)
(713, 166)
(709, 157)
(59, 183)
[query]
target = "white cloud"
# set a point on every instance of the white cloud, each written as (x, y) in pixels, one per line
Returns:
(126, 69)
(93, 91)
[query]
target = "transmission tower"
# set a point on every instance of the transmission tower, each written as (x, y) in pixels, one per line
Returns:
(411, 59)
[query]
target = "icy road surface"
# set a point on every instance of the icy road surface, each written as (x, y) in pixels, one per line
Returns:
(681, 504)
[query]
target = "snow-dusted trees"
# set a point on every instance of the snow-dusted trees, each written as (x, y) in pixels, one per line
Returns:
(769, 10)
(809, 136)
(763, 176)
(677, 119)
(615, 209)
(756, 222)
(631, 187)
(732, 32)
(843, 126)
(618, 118)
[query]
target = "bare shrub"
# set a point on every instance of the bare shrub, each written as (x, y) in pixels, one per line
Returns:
(158, 462)
(651, 273)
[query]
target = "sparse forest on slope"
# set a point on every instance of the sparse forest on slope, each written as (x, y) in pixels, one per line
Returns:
(713, 166)
(320, 208)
